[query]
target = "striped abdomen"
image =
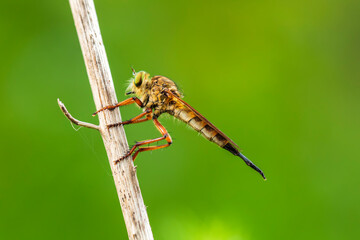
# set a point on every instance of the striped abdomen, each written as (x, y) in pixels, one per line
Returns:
(200, 124)
(186, 115)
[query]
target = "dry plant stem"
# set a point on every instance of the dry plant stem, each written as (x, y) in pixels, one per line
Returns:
(74, 120)
(97, 66)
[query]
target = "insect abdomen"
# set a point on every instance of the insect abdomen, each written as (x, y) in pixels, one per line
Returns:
(189, 117)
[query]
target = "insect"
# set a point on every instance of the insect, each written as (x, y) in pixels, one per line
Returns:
(158, 95)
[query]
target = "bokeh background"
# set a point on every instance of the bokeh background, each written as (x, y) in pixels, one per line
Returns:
(281, 78)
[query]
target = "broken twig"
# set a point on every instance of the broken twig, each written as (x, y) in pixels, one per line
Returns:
(74, 120)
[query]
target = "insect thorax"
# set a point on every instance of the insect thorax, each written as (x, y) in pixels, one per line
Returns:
(156, 97)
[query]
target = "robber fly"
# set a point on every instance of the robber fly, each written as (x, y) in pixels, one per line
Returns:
(158, 95)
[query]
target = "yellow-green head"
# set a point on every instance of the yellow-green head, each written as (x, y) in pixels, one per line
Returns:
(139, 83)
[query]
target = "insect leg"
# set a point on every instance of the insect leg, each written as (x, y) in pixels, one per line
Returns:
(143, 149)
(165, 136)
(123, 103)
(146, 113)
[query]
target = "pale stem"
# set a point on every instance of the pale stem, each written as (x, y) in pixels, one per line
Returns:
(102, 86)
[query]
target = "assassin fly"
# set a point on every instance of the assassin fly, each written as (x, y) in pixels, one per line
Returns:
(158, 95)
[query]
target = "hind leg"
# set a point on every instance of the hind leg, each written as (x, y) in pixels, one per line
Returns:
(139, 149)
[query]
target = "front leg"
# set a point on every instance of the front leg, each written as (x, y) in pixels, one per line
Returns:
(123, 103)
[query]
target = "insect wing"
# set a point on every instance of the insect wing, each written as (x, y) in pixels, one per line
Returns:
(203, 119)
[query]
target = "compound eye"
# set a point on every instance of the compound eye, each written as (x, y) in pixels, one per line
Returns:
(138, 79)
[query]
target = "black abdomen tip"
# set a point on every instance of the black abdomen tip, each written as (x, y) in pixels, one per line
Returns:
(234, 151)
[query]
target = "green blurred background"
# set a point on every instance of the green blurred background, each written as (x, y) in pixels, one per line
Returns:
(281, 78)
